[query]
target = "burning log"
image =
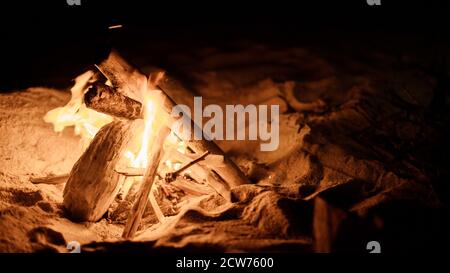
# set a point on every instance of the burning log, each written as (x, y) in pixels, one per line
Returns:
(128, 81)
(93, 183)
(139, 206)
(104, 98)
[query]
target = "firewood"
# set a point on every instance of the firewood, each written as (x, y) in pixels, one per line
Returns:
(119, 210)
(128, 81)
(50, 179)
(137, 211)
(128, 171)
(173, 175)
(158, 212)
(191, 187)
(104, 98)
(227, 170)
(201, 173)
(93, 183)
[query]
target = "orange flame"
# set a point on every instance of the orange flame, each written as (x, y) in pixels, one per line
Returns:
(152, 122)
(140, 159)
(86, 121)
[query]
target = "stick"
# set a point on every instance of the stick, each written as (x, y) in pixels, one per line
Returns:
(158, 212)
(137, 211)
(201, 173)
(50, 179)
(128, 171)
(171, 176)
(191, 187)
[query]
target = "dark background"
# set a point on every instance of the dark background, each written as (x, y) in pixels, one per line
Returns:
(49, 42)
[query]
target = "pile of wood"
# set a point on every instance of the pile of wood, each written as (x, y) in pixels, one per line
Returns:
(97, 177)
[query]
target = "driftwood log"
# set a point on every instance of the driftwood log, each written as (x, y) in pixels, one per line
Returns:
(127, 81)
(93, 183)
(125, 78)
(104, 98)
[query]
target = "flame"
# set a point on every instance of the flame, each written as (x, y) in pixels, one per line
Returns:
(153, 120)
(86, 121)
(141, 159)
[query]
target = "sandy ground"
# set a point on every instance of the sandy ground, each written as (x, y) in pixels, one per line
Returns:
(31, 214)
(349, 159)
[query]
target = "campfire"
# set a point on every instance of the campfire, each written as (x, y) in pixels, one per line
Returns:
(328, 152)
(135, 159)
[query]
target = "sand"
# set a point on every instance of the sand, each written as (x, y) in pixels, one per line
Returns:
(345, 155)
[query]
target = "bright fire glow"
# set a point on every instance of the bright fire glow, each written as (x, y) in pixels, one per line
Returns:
(86, 121)
(137, 152)
(141, 159)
